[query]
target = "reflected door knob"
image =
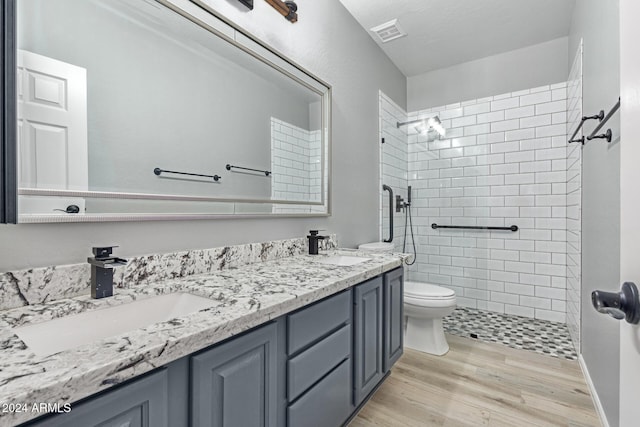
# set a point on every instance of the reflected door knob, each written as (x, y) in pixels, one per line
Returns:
(619, 305)
(71, 209)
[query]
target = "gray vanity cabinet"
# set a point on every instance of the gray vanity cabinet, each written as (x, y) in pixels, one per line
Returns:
(236, 383)
(311, 367)
(393, 317)
(141, 403)
(367, 337)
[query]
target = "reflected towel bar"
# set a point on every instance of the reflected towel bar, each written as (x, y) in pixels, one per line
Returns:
(472, 227)
(266, 173)
(159, 172)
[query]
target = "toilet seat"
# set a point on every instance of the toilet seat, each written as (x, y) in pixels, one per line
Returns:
(430, 303)
(428, 295)
(427, 291)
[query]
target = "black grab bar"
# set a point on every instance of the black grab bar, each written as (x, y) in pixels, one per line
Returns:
(471, 227)
(387, 188)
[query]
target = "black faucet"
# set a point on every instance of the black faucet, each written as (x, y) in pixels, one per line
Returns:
(313, 241)
(102, 266)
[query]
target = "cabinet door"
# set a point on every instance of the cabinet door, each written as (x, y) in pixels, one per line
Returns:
(141, 403)
(393, 317)
(368, 337)
(235, 383)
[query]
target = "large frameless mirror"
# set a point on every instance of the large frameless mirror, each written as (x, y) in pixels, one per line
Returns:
(143, 109)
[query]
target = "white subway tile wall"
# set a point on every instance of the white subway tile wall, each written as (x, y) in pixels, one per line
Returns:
(504, 163)
(295, 166)
(393, 165)
(574, 201)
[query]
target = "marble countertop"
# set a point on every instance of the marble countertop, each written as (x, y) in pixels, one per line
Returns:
(245, 297)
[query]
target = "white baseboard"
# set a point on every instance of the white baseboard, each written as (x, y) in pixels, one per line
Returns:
(594, 393)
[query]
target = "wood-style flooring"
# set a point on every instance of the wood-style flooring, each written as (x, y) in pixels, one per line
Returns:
(478, 384)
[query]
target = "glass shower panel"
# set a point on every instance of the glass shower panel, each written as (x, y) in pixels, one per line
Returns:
(393, 167)
(574, 202)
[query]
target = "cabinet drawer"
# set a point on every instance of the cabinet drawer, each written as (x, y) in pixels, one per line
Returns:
(314, 363)
(312, 323)
(327, 404)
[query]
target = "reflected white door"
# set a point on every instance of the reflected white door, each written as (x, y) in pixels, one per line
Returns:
(52, 131)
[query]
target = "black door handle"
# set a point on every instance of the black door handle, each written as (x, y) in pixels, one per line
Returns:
(619, 305)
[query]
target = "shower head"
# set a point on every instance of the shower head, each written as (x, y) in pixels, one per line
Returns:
(432, 126)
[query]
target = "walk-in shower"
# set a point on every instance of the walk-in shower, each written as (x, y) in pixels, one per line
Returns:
(495, 184)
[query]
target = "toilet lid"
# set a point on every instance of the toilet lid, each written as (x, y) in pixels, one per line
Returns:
(377, 247)
(427, 291)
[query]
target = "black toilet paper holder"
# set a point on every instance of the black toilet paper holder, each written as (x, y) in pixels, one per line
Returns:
(619, 305)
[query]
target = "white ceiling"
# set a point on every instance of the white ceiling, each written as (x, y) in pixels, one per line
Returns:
(442, 33)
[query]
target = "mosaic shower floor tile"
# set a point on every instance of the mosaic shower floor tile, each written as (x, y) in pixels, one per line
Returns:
(540, 336)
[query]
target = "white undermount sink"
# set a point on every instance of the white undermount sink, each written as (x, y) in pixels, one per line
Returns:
(72, 331)
(342, 260)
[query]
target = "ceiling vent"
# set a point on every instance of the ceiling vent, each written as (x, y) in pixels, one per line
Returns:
(389, 31)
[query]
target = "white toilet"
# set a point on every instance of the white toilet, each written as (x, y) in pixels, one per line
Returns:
(425, 305)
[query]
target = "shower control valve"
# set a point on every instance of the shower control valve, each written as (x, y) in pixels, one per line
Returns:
(400, 204)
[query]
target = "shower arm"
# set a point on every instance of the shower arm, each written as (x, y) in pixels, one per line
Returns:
(387, 188)
(410, 122)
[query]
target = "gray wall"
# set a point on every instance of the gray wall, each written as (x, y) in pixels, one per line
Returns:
(347, 58)
(525, 68)
(597, 22)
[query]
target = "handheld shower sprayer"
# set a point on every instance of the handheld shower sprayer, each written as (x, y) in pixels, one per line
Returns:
(409, 221)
